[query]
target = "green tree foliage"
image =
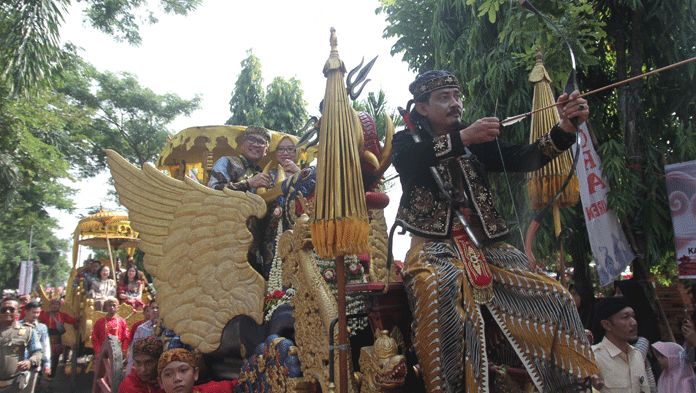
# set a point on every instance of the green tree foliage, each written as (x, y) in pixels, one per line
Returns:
(122, 19)
(247, 100)
(58, 114)
(281, 108)
(29, 42)
(29, 33)
(285, 109)
(129, 118)
(490, 46)
(34, 139)
(376, 107)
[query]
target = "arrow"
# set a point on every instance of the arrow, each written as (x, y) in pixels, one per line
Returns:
(514, 119)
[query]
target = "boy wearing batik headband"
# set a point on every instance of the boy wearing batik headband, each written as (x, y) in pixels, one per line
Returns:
(243, 173)
(143, 379)
(178, 372)
(452, 273)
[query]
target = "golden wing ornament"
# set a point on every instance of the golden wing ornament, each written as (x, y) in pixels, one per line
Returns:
(195, 241)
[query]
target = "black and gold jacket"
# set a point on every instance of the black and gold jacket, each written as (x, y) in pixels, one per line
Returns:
(424, 208)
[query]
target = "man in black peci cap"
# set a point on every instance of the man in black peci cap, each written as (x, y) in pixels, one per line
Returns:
(243, 173)
(623, 369)
(457, 288)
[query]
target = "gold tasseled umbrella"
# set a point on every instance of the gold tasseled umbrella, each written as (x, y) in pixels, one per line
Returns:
(543, 184)
(340, 224)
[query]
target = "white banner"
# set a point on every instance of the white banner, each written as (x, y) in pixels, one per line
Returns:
(611, 251)
(26, 276)
(681, 191)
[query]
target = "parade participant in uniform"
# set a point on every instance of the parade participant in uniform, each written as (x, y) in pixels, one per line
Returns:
(177, 372)
(450, 281)
(15, 339)
(54, 319)
(243, 173)
(622, 367)
(110, 325)
(146, 353)
(33, 310)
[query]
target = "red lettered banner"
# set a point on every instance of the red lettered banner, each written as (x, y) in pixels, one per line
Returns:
(610, 249)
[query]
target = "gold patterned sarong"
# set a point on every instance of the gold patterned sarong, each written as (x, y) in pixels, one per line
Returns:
(535, 313)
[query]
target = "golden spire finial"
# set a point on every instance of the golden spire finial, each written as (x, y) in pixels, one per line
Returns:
(539, 71)
(334, 62)
(333, 39)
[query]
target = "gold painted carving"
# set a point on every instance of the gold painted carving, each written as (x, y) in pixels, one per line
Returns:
(314, 306)
(379, 241)
(383, 369)
(195, 241)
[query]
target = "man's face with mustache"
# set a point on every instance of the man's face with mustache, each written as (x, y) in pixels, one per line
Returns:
(443, 110)
(622, 325)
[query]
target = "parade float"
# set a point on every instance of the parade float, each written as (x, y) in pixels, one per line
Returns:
(110, 230)
(326, 311)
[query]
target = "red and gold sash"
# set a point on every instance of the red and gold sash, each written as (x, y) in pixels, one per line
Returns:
(477, 271)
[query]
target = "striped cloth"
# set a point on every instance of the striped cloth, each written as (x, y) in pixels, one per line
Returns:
(535, 313)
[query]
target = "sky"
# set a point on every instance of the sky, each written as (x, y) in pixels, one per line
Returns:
(201, 54)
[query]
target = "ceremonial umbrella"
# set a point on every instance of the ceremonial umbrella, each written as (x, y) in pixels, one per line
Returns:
(340, 223)
(110, 228)
(543, 184)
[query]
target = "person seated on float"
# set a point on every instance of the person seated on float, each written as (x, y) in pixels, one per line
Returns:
(285, 155)
(141, 276)
(177, 372)
(118, 268)
(130, 288)
(243, 173)
(143, 379)
(102, 288)
(87, 273)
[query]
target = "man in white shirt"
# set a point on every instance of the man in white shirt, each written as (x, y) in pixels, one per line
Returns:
(623, 370)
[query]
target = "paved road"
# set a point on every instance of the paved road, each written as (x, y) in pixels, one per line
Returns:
(61, 384)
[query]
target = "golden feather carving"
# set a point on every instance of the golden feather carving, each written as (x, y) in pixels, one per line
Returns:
(195, 241)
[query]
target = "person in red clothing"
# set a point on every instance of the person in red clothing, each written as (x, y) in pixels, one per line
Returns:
(177, 372)
(130, 288)
(49, 318)
(111, 325)
(146, 353)
(23, 301)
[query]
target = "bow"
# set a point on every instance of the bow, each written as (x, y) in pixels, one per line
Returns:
(570, 86)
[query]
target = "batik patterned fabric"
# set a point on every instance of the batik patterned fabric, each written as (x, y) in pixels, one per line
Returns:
(232, 172)
(175, 355)
(534, 313)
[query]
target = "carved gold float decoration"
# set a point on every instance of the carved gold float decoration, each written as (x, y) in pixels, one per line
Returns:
(382, 368)
(195, 241)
